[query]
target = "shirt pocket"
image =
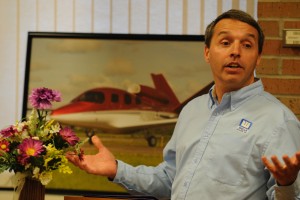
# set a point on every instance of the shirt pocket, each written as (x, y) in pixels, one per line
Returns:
(228, 157)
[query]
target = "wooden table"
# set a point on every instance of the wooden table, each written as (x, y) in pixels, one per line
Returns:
(107, 198)
(87, 198)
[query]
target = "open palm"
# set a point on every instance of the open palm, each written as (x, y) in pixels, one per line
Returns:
(285, 173)
(103, 163)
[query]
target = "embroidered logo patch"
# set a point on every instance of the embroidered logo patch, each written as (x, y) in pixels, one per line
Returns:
(244, 126)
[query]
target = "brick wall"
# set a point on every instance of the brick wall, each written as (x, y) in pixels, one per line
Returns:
(280, 66)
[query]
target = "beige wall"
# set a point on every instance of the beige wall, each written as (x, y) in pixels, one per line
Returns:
(17, 17)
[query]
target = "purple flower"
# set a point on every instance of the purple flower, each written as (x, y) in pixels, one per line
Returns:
(69, 136)
(41, 98)
(8, 132)
(29, 147)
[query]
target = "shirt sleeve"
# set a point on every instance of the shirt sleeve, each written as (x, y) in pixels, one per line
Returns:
(287, 192)
(285, 140)
(153, 181)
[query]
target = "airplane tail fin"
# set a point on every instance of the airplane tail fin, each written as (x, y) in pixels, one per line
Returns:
(162, 85)
(163, 93)
(203, 91)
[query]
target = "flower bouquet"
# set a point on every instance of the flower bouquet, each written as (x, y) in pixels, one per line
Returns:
(36, 146)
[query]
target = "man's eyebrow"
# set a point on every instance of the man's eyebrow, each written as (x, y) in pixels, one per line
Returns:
(227, 32)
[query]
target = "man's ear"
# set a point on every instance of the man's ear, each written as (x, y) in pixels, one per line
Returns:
(258, 60)
(206, 54)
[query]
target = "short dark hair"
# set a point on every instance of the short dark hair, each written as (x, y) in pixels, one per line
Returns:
(240, 16)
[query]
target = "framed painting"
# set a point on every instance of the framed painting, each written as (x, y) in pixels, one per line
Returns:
(127, 88)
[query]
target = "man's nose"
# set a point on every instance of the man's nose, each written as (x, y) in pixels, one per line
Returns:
(235, 50)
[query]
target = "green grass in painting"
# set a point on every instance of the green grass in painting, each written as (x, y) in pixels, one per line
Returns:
(132, 149)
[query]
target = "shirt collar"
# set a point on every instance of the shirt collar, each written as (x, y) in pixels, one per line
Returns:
(234, 99)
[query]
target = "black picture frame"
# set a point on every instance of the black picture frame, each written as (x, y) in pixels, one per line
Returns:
(57, 60)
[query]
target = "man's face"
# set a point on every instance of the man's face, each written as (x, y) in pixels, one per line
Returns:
(233, 54)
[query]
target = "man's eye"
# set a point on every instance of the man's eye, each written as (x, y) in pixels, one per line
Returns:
(247, 46)
(225, 43)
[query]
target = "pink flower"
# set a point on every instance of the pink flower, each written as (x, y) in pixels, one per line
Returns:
(4, 145)
(69, 136)
(41, 98)
(8, 132)
(29, 147)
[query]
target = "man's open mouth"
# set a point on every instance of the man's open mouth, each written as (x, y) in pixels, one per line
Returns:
(232, 65)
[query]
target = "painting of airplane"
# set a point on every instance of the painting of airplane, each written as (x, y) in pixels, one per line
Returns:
(119, 111)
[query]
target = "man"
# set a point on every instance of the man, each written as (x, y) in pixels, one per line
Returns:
(221, 141)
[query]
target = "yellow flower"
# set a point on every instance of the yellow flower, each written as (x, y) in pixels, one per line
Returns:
(46, 161)
(65, 169)
(32, 121)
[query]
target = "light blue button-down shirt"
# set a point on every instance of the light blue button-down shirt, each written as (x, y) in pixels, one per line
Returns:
(215, 151)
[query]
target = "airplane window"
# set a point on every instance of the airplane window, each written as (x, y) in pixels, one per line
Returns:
(138, 100)
(96, 97)
(127, 99)
(99, 97)
(114, 98)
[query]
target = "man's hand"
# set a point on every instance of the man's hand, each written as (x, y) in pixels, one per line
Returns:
(285, 173)
(103, 163)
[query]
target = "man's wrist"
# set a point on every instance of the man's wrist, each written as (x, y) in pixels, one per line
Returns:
(111, 178)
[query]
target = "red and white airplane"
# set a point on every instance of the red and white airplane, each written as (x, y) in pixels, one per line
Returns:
(120, 111)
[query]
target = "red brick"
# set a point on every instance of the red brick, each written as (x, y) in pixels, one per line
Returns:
(292, 103)
(291, 67)
(278, 9)
(282, 86)
(289, 51)
(272, 47)
(275, 47)
(268, 66)
(270, 28)
(292, 24)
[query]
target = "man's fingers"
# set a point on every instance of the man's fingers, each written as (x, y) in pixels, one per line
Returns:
(73, 158)
(267, 163)
(275, 166)
(287, 160)
(277, 163)
(292, 163)
(297, 156)
(264, 160)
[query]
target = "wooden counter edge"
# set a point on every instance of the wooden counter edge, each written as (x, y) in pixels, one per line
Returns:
(86, 198)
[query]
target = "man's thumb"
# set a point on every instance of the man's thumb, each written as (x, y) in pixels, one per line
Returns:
(97, 142)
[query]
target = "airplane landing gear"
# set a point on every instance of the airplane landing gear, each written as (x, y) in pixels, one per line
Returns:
(152, 140)
(90, 134)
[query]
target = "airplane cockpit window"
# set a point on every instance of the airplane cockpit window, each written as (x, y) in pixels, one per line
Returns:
(127, 99)
(114, 98)
(138, 100)
(96, 97)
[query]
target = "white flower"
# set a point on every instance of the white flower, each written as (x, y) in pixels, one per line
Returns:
(27, 166)
(36, 172)
(24, 134)
(45, 177)
(55, 128)
(20, 126)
